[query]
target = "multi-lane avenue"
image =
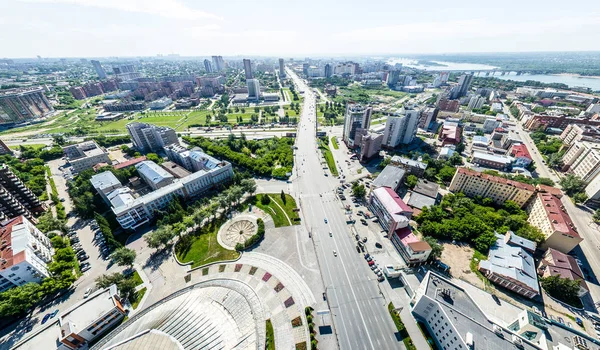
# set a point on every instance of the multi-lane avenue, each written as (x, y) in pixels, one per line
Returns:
(360, 316)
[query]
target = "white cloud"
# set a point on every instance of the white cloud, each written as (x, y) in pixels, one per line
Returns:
(164, 8)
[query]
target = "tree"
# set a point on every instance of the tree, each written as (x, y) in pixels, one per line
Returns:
(460, 147)
(446, 173)
(160, 237)
(411, 181)
(123, 256)
(248, 185)
(436, 248)
(154, 158)
(580, 197)
(596, 216)
(265, 199)
(359, 191)
(554, 160)
(563, 289)
(282, 195)
(572, 184)
(19, 299)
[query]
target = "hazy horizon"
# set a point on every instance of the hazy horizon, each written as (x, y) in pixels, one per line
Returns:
(145, 28)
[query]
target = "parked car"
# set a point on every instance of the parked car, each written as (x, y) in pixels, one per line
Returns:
(380, 278)
(378, 245)
(85, 268)
(371, 262)
(53, 313)
(364, 239)
(46, 318)
(83, 257)
(74, 240)
(87, 292)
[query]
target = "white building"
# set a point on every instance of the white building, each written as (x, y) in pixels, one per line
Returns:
(151, 138)
(105, 183)
(154, 175)
(476, 102)
(253, 89)
(161, 103)
(401, 128)
(357, 117)
(85, 155)
(24, 253)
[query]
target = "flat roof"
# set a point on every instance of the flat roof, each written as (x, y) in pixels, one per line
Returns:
(89, 310)
(427, 188)
(392, 202)
(152, 171)
(391, 176)
(496, 179)
(130, 162)
(420, 201)
(492, 157)
(175, 170)
(409, 162)
(104, 180)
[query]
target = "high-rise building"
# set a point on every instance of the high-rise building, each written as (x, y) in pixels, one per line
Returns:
(464, 83)
(328, 70)
(281, 68)
(393, 78)
(151, 138)
(253, 89)
(24, 253)
(401, 128)
(208, 66)
(248, 69)
(15, 198)
(99, 70)
(126, 72)
(305, 69)
(218, 63)
(476, 102)
(22, 104)
(357, 117)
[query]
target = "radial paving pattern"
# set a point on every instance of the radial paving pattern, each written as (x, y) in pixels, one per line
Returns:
(237, 230)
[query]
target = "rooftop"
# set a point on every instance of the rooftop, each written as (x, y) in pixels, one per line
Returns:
(564, 266)
(130, 162)
(175, 170)
(418, 200)
(392, 203)
(104, 180)
(152, 171)
(391, 176)
(520, 151)
(409, 162)
(514, 262)
(558, 217)
(492, 157)
(427, 188)
(549, 189)
(496, 179)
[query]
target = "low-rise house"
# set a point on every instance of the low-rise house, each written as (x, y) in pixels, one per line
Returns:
(410, 247)
(555, 263)
(511, 265)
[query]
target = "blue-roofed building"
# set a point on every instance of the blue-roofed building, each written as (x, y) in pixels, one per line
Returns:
(480, 141)
(154, 175)
(510, 264)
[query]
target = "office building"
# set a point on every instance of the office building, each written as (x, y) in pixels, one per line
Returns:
(393, 78)
(151, 138)
(370, 145)
(248, 69)
(79, 325)
(281, 68)
(105, 183)
(414, 167)
(401, 128)
(544, 121)
(583, 159)
(23, 104)
(208, 66)
(427, 117)
(555, 263)
(547, 213)
(99, 70)
(305, 69)
(154, 175)
(490, 124)
(391, 176)
(392, 212)
(4, 149)
(510, 265)
(24, 253)
(208, 173)
(78, 92)
(574, 133)
(464, 83)
(476, 102)
(218, 64)
(457, 321)
(253, 89)
(498, 189)
(357, 117)
(85, 155)
(328, 70)
(15, 198)
(493, 161)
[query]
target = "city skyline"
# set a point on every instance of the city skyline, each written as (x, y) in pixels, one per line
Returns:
(50, 28)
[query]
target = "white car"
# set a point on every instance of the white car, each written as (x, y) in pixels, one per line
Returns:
(87, 293)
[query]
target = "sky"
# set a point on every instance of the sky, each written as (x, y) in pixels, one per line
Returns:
(290, 28)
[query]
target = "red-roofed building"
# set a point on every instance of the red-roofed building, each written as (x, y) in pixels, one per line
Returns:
(392, 212)
(521, 155)
(556, 263)
(450, 135)
(549, 189)
(547, 213)
(24, 253)
(130, 162)
(499, 189)
(410, 247)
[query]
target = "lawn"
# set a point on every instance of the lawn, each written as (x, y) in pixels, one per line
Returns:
(35, 146)
(328, 157)
(288, 206)
(172, 120)
(366, 95)
(270, 341)
(401, 328)
(138, 297)
(279, 218)
(334, 142)
(136, 277)
(202, 248)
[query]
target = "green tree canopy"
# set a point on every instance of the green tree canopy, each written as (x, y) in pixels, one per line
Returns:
(123, 256)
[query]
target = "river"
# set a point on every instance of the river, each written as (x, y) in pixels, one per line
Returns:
(569, 80)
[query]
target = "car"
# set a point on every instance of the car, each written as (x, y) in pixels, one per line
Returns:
(364, 222)
(357, 249)
(46, 318)
(579, 321)
(325, 220)
(373, 267)
(85, 268)
(371, 262)
(83, 257)
(578, 262)
(334, 253)
(330, 234)
(364, 239)
(28, 328)
(62, 199)
(561, 320)
(87, 293)
(324, 296)
(496, 299)
(378, 245)
(54, 313)
(380, 278)
(367, 256)
(74, 240)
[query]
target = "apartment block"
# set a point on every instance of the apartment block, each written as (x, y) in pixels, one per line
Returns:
(547, 213)
(401, 128)
(151, 138)
(15, 198)
(583, 159)
(499, 189)
(22, 104)
(24, 253)
(85, 155)
(357, 117)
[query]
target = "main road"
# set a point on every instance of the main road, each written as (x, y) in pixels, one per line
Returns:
(360, 316)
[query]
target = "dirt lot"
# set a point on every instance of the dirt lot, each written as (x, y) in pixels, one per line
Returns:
(458, 257)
